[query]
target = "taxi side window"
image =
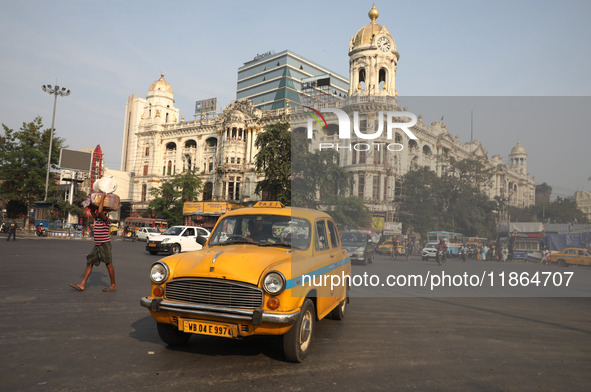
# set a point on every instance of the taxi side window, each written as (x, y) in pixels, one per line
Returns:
(321, 238)
(334, 234)
(571, 252)
(189, 232)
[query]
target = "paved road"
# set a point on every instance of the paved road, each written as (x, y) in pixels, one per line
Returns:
(56, 339)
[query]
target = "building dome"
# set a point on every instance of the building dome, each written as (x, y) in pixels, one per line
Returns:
(518, 149)
(161, 85)
(366, 33)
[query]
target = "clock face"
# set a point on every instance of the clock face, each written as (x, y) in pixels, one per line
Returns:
(384, 44)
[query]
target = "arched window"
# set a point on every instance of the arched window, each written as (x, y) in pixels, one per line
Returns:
(207, 191)
(382, 79)
(169, 171)
(190, 143)
(361, 85)
(211, 142)
(171, 146)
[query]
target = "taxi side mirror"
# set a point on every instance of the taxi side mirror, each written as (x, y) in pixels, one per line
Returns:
(201, 240)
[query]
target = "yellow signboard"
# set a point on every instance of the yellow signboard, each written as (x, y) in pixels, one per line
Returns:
(377, 222)
(216, 208)
(208, 207)
(192, 208)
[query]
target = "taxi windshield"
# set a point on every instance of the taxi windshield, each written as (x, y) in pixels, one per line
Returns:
(262, 230)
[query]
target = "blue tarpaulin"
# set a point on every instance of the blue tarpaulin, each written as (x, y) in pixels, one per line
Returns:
(573, 240)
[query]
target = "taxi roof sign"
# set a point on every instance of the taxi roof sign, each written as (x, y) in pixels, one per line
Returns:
(268, 204)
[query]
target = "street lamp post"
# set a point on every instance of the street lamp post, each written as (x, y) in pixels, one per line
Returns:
(55, 91)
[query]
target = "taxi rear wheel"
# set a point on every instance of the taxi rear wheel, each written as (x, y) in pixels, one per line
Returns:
(562, 263)
(297, 341)
(171, 335)
(338, 313)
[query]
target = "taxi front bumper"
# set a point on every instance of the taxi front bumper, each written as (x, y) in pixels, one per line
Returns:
(255, 316)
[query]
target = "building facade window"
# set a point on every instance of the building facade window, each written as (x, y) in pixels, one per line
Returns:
(361, 185)
(376, 187)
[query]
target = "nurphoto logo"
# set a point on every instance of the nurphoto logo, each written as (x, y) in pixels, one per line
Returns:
(344, 123)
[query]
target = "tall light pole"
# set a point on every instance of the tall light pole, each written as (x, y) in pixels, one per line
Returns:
(55, 91)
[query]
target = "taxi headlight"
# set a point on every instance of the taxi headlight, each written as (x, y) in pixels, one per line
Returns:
(159, 272)
(274, 283)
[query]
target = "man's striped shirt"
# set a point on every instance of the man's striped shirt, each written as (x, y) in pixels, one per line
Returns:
(101, 231)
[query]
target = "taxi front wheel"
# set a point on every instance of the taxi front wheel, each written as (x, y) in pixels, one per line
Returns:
(171, 335)
(297, 341)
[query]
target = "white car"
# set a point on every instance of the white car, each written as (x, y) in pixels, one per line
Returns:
(145, 232)
(176, 239)
(429, 251)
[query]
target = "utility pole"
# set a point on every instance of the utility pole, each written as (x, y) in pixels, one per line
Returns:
(55, 91)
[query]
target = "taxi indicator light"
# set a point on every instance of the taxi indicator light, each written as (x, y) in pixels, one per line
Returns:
(273, 303)
(158, 291)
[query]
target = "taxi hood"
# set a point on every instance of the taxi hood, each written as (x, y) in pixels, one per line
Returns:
(239, 262)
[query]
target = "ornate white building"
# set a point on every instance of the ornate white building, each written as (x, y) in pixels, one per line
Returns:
(157, 146)
(376, 170)
(222, 149)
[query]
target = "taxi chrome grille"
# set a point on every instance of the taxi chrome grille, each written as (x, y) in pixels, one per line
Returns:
(214, 292)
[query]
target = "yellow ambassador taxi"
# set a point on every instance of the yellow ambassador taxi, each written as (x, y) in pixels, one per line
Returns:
(265, 270)
(571, 256)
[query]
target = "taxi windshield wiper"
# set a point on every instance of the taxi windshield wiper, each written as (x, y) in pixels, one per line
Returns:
(276, 244)
(236, 242)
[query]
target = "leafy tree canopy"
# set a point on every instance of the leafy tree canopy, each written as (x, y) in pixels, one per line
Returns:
(453, 202)
(23, 162)
(169, 198)
(274, 161)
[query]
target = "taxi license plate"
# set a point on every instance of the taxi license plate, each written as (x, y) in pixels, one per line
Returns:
(207, 328)
(152, 245)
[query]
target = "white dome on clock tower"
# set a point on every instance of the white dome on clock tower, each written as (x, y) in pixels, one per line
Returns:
(372, 60)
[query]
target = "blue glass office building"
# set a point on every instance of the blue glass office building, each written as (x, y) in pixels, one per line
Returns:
(270, 79)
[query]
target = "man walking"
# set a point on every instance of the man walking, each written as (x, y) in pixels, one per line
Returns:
(102, 247)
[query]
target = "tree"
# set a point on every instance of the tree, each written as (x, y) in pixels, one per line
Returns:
(64, 207)
(561, 210)
(169, 198)
(274, 161)
(349, 211)
(23, 162)
(453, 202)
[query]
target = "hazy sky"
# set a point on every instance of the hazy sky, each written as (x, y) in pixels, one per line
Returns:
(103, 51)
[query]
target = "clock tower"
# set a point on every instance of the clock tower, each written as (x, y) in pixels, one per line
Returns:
(372, 60)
